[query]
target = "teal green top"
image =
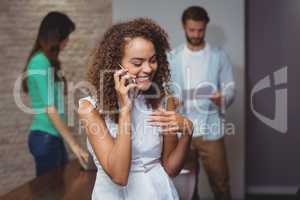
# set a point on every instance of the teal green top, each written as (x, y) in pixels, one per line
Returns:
(44, 92)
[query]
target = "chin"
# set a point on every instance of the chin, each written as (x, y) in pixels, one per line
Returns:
(145, 86)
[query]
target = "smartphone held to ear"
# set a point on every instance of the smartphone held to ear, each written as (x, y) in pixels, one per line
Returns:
(132, 92)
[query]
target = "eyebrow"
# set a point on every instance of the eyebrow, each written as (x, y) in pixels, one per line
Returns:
(142, 59)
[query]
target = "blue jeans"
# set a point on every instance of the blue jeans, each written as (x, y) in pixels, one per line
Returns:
(49, 152)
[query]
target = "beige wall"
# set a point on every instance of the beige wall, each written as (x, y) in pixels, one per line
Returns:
(19, 21)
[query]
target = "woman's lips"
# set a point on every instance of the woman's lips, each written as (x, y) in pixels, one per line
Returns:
(142, 79)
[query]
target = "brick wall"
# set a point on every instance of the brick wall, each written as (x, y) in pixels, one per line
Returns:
(19, 21)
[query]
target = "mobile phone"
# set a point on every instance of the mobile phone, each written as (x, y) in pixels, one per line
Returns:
(131, 93)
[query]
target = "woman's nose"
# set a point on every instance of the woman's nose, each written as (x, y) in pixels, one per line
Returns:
(147, 68)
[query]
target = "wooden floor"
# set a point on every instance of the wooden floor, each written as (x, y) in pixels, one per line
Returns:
(68, 183)
(72, 183)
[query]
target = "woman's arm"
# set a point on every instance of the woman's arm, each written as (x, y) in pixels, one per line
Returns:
(174, 149)
(113, 154)
(66, 134)
(42, 76)
(174, 154)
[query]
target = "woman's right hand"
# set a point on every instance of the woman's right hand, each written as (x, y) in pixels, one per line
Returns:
(121, 77)
(80, 154)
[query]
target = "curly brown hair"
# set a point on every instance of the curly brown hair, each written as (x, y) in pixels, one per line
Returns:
(109, 54)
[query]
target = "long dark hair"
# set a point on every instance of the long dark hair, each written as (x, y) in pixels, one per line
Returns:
(54, 28)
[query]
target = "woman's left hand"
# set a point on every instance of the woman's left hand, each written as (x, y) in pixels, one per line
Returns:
(170, 121)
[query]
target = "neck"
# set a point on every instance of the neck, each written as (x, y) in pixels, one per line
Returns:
(195, 48)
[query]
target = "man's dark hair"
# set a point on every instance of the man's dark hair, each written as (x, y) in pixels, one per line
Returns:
(195, 13)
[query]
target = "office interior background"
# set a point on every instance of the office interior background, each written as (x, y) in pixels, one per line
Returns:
(261, 38)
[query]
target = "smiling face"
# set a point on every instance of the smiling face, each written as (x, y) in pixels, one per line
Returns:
(140, 60)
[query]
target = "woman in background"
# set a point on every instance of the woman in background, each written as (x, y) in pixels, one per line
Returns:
(45, 86)
(131, 135)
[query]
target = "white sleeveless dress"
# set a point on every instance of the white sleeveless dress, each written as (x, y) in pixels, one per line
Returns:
(147, 178)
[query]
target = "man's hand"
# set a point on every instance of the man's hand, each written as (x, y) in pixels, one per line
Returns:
(217, 98)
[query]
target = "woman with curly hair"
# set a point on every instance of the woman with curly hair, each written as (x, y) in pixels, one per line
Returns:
(132, 136)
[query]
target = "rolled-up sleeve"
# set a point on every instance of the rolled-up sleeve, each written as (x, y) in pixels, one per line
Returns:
(226, 79)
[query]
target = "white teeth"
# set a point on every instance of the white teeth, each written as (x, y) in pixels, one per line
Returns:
(143, 78)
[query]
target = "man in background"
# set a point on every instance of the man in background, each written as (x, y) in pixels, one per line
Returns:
(204, 76)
